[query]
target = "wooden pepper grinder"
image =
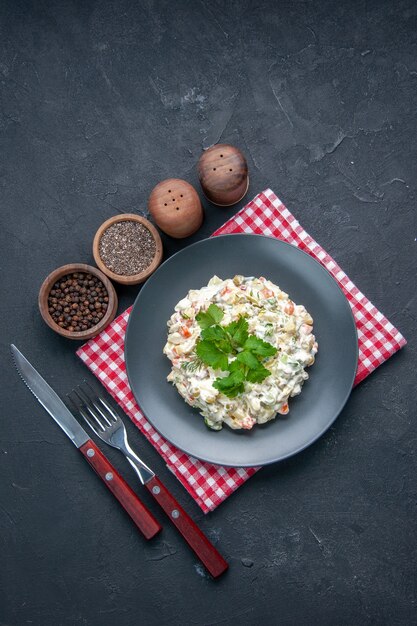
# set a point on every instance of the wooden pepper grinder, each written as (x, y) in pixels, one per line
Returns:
(223, 174)
(176, 208)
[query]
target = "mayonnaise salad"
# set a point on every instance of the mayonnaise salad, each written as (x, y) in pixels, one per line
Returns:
(272, 317)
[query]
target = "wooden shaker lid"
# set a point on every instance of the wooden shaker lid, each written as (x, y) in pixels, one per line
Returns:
(223, 174)
(176, 208)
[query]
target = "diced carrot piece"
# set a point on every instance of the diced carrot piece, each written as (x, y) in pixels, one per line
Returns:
(289, 307)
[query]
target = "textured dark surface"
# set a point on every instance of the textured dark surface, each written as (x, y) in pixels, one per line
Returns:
(100, 101)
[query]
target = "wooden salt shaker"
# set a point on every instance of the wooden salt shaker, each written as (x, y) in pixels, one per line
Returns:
(223, 174)
(176, 208)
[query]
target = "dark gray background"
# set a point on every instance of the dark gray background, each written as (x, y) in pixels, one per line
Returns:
(99, 102)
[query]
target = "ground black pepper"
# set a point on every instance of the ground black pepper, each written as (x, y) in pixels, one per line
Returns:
(127, 248)
(78, 301)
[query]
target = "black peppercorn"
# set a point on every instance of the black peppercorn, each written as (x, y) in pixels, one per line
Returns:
(71, 312)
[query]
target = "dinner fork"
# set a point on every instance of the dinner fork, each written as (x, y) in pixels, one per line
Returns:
(108, 425)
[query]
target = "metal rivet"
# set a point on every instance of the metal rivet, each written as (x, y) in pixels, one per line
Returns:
(109, 476)
(175, 514)
(156, 489)
(90, 452)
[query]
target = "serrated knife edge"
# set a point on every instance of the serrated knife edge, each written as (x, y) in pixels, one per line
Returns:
(50, 400)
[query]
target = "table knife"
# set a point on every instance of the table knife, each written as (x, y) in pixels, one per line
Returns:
(109, 426)
(56, 408)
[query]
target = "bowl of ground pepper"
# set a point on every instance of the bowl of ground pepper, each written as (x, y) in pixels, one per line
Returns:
(127, 248)
(77, 301)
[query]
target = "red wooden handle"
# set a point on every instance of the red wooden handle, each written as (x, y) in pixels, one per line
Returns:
(195, 538)
(143, 518)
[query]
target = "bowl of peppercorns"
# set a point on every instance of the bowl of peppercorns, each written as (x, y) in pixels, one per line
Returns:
(77, 301)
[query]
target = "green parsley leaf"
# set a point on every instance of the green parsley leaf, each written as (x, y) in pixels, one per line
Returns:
(257, 375)
(225, 346)
(254, 370)
(236, 366)
(210, 354)
(216, 313)
(208, 318)
(231, 385)
(248, 359)
(231, 328)
(219, 337)
(214, 333)
(217, 342)
(259, 347)
(238, 331)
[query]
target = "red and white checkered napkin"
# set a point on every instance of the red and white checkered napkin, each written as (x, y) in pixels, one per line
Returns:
(210, 484)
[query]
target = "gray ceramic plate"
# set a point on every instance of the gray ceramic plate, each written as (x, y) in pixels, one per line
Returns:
(323, 395)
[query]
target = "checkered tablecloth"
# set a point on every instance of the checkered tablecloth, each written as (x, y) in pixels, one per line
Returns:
(210, 484)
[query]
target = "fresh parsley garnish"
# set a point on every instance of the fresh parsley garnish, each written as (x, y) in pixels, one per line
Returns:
(254, 371)
(231, 385)
(218, 343)
(238, 331)
(213, 315)
(248, 359)
(257, 346)
(211, 355)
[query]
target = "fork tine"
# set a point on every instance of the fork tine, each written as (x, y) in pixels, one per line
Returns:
(103, 414)
(101, 419)
(110, 409)
(93, 407)
(84, 415)
(90, 422)
(110, 412)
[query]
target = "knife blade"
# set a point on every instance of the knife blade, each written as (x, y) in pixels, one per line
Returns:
(56, 408)
(109, 426)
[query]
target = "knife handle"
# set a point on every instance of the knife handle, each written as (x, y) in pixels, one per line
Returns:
(143, 518)
(192, 534)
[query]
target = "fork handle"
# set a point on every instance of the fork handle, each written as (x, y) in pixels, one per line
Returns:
(143, 518)
(192, 534)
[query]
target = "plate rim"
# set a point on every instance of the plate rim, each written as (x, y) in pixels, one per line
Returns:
(303, 446)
